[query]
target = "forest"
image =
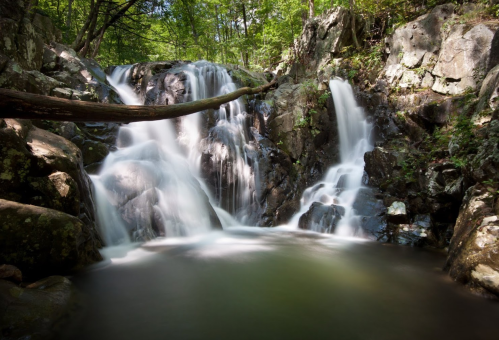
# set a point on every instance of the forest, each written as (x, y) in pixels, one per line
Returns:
(255, 34)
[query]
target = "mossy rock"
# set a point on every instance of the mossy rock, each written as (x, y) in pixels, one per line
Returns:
(43, 241)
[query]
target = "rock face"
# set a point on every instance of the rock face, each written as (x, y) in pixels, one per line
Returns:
(435, 52)
(322, 39)
(473, 258)
(45, 170)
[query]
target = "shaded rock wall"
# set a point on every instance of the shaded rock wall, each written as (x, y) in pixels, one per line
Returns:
(47, 222)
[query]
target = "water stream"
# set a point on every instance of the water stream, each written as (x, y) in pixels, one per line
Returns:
(343, 181)
(247, 282)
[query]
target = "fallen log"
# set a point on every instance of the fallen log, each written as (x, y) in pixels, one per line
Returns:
(16, 104)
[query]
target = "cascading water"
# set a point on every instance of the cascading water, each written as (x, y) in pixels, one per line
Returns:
(343, 181)
(228, 142)
(151, 186)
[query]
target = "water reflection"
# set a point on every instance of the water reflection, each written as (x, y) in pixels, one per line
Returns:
(252, 283)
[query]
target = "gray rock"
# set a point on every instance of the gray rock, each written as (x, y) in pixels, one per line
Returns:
(409, 44)
(462, 61)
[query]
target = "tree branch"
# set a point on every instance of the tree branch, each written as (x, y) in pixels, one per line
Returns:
(16, 104)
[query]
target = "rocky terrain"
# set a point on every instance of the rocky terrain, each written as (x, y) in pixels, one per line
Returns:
(430, 88)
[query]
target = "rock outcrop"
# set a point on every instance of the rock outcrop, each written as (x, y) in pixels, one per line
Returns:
(473, 258)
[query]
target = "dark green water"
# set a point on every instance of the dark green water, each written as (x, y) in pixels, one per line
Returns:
(251, 283)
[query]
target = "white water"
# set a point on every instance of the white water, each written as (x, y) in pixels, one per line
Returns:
(153, 180)
(343, 181)
(228, 141)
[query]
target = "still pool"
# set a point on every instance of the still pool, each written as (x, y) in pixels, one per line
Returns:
(254, 283)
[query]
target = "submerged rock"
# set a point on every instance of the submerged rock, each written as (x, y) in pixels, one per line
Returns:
(32, 312)
(321, 218)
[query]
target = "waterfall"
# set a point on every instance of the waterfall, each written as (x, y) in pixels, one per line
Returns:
(227, 143)
(335, 195)
(153, 184)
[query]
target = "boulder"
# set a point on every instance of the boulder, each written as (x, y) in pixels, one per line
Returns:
(321, 218)
(42, 241)
(43, 24)
(416, 43)
(484, 165)
(15, 77)
(32, 312)
(11, 273)
(473, 259)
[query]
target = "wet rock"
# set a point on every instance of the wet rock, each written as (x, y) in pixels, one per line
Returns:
(41, 241)
(31, 313)
(321, 218)
(380, 164)
(473, 259)
(11, 273)
(92, 151)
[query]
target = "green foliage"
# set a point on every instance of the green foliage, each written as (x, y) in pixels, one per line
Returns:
(323, 98)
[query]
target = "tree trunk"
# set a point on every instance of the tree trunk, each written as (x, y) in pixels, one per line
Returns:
(245, 56)
(304, 14)
(16, 104)
(76, 44)
(102, 31)
(68, 20)
(311, 9)
(354, 34)
(91, 30)
(79, 45)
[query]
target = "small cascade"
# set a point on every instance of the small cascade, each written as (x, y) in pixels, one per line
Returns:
(328, 205)
(226, 147)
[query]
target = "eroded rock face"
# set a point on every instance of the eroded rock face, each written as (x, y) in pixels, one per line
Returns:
(473, 258)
